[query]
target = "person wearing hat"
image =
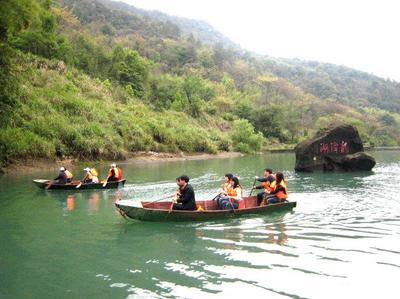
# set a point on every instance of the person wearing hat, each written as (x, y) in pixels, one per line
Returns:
(91, 176)
(64, 176)
(114, 173)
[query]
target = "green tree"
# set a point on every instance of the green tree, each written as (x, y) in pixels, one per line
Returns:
(16, 15)
(268, 121)
(129, 68)
(244, 138)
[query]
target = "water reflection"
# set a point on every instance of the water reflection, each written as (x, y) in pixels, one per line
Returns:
(193, 255)
(93, 203)
(70, 202)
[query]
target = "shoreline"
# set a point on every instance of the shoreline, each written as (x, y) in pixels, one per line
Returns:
(33, 166)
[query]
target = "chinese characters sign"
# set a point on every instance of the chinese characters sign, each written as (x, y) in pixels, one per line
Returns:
(333, 147)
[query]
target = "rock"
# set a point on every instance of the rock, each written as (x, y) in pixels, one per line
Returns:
(336, 148)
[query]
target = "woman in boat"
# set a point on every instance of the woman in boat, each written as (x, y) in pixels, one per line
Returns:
(64, 176)
(186, 199)
(91, 176)
(234, 196)
(225, 187)
(227, 183)
(266, 182)
(279, 192)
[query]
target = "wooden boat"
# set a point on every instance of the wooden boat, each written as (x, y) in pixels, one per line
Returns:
(73, 185)
(160, 211)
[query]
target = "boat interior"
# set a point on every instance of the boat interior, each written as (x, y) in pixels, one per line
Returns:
(206, 205)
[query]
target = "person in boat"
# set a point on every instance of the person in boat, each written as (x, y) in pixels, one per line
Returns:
(91, 176)
(233, 198)
(64, 176)
(225, 187)
(185, 196)
(266, 182)
(279, 192)
(227, 183)
(114, 173)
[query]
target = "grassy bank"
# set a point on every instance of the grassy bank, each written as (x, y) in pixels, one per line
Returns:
(63, 114)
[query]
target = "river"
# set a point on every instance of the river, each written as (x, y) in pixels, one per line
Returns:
(341, 241)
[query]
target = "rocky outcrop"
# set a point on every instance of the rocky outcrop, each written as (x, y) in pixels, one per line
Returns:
(336, 148)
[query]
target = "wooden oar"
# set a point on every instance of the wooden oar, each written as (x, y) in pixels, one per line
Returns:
(49, 185)
(105, 183)
(215, 197)
(252, 188)
(164, 197)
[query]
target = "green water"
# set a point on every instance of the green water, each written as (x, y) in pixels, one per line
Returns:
(342, 240)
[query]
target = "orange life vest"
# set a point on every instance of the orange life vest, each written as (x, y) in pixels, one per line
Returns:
(119, 175)
(232, 192)
(267, 186)
(281, 194)
(226, 186)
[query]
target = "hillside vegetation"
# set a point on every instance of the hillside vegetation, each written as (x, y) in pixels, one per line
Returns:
(98, 80)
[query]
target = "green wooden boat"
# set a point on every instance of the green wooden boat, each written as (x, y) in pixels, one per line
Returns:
(161, 211)
(74, 184)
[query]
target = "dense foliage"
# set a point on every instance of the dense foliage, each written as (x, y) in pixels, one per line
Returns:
(98, 79)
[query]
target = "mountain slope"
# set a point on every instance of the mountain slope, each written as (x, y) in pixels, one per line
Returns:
(85, 80)
(345, 85)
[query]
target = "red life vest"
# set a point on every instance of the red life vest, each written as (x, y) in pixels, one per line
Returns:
(117, 173)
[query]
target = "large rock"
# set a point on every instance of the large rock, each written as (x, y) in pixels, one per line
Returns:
(336, 148)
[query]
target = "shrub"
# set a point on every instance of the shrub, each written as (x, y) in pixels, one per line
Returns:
(244, 138)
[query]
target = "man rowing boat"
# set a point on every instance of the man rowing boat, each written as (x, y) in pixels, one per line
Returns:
(185, 195)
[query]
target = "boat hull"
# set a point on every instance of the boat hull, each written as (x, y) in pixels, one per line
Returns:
(165, 214)
(72, 186)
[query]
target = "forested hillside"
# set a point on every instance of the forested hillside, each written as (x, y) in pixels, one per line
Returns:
(97, 79)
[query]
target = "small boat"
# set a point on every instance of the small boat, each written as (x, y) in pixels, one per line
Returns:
(74, 184)
(161, 211)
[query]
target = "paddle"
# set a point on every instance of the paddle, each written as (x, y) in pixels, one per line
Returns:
(49, 185)
(252, 188)
(105, 183)
(164, 197)
(79, 185)
(216, 196)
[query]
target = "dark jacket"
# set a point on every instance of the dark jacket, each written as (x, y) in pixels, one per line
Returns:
(61, 179)
(187, 198)
(269, 179)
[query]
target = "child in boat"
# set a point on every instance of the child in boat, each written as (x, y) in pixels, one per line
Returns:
(234, 196)
(279, 192)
